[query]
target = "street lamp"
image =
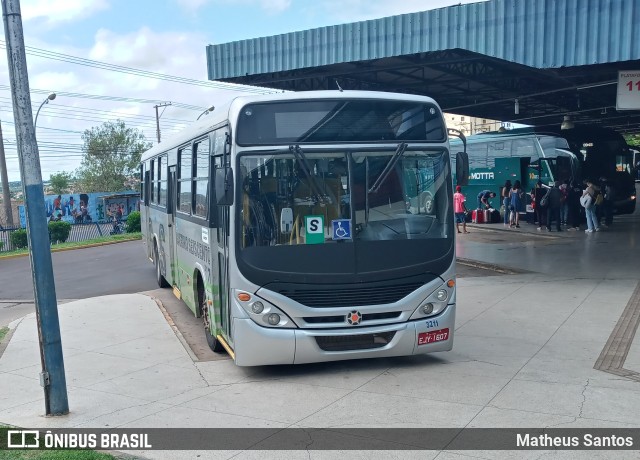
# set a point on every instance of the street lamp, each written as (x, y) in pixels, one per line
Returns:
(50, 97)
(210, 109)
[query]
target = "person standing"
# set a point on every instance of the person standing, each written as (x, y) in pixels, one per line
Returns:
(564, 202)
(553, 206)
(506, 200)
(590, 207)
(460, 209)
(541, 211)
(573, 200)
(516, 196)
(608, 195)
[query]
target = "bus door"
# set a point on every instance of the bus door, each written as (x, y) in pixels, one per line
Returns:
(171, 221)
(222, 280)
(223, 269)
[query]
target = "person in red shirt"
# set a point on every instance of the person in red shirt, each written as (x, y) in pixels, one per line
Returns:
(460, 209)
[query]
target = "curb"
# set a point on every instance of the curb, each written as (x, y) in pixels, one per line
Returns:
(483, 228)
(92, 245)
(175, 329)
(4, 343)
(488, 266)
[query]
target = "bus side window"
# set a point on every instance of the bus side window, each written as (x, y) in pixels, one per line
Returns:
(216, 163)
(477, 155)
(497, 150)
(151, 196)
(147, 186)
(185, 173)
(201, 177)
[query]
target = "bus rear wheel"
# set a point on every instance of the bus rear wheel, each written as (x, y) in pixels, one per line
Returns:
(156, 261)
(212, 340)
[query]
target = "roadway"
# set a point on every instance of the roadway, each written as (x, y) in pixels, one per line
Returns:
(110, 269)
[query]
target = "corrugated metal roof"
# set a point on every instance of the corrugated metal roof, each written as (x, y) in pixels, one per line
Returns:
(537, 33)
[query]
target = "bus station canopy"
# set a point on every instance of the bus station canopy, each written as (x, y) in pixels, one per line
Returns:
(531, 62)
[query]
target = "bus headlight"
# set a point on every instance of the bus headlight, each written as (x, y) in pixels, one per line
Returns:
(273, 319)
(427, 308)
(262, 312)
(436, 302)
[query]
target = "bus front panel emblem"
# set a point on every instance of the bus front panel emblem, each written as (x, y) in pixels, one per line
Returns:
(354, 318)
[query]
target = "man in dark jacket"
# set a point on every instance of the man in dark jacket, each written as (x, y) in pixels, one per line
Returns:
(554, 202)
(483, 199)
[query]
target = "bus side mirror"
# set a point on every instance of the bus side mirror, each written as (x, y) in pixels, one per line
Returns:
(462, 168)
(224, 186)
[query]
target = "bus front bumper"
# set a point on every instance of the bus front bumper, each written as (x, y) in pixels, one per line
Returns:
(257, 346)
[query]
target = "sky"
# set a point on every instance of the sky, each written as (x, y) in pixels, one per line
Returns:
(166, 37)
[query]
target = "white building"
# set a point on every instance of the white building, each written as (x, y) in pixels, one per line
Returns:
(471, 125)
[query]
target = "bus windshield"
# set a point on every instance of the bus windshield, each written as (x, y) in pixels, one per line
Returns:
(411, 202)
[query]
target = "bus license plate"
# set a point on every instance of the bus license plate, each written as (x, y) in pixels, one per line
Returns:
(440, 335)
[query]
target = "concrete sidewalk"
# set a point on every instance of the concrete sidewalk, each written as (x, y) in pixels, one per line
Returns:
(518, 361)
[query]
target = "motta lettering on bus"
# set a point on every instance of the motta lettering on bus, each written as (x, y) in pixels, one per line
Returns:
(481, 175)
(194, 247)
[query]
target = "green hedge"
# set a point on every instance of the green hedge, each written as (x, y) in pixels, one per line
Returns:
(133, 222)
(19, 238)
(59, 231)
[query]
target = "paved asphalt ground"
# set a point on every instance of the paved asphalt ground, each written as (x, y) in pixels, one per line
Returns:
(79, 274)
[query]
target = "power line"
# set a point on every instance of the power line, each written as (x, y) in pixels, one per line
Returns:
(107, 98)
(141, 73)
(107, 113)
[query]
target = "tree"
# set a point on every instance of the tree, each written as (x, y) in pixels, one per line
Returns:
(111, 154)
(59, 182)
(633, 139)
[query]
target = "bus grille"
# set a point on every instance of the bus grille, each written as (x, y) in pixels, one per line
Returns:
(353, 297)
(342, 318)
(354, 342)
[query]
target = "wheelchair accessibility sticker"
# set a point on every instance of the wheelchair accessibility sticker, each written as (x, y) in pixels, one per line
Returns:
(341, 229)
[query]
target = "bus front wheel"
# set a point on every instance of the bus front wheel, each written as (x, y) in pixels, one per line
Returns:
(212, 340)
(156, 261)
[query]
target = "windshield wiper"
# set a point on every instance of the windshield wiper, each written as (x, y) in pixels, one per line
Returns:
(301, 158)
(389, 166)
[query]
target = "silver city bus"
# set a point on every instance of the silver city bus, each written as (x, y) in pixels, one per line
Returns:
(306, 227)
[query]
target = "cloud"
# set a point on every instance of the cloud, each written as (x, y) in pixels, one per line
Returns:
(61, 81)
(56, 11)
(192, 5)
(362, 10)
(270, 6)
(174, 53)
(275, 6)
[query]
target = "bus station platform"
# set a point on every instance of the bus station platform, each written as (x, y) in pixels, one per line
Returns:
(547, 340)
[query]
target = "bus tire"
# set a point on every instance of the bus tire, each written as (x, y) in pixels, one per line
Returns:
(212, 340)
(156, 261)
(427, 202)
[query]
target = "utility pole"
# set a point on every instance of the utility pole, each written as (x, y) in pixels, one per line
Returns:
(52, 377)
(164, 104)
(6, 196)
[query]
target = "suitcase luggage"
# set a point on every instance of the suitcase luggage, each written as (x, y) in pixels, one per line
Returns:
(468, 216)
(487, 216)
(477, 216)
(496, 218)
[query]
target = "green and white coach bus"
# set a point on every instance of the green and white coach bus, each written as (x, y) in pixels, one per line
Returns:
(306, 227)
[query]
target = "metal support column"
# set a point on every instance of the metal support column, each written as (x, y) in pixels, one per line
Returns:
(52, 377)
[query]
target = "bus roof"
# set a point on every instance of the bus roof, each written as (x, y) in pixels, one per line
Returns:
(231, 110)
(580, 131)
